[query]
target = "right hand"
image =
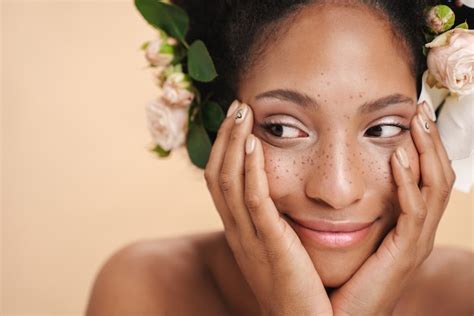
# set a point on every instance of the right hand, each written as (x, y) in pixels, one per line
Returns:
(267, 249)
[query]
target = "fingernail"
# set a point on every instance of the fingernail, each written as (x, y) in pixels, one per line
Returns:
(232, 108)
(241, 113)
(429, 112)
(402, 157)
(423, 121)
(250, 144)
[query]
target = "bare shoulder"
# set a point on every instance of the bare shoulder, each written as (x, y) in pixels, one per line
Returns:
(154, 277)
(443, 285)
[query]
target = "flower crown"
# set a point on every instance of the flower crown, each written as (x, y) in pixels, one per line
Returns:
(179, 115)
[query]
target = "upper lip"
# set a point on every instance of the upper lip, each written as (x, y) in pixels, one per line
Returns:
(328, 226)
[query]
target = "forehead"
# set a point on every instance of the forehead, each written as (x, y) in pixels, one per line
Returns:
(332, 48)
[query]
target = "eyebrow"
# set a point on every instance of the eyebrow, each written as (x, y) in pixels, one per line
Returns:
(306, 101)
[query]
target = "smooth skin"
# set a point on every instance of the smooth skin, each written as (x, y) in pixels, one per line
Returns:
(329, 169)
(273, 260)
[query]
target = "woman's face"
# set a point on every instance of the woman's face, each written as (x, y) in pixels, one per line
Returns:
(332, 90)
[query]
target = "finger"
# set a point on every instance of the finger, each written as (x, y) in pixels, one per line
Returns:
(262, 210)
(439, 146)
(428, 233)
(413, 207)
(432, 174)
(214, 165)
(231, 177)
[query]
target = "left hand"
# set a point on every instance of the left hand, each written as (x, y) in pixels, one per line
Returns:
(378, 284)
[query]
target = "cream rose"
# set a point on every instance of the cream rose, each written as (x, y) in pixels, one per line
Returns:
(167, 125)
(451, 61)
(175, 92)
(153, 55)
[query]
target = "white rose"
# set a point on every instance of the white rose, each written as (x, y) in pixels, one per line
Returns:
(451, 61)
(167, 125)
(153, 55)
(175, 92)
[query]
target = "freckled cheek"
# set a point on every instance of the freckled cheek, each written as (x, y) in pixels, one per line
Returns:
(283, 171)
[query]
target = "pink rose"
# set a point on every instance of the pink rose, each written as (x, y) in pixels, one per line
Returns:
(167, 125)
(451, 61)
(153, 55)
(175, 92)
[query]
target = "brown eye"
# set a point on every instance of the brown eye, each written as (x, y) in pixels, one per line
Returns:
(386, 130)
(283, 131)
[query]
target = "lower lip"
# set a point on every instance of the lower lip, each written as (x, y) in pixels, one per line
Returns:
(333, 239)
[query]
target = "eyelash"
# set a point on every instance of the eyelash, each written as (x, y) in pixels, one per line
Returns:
(267, 126)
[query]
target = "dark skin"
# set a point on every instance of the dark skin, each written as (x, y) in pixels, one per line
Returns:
(330, 166)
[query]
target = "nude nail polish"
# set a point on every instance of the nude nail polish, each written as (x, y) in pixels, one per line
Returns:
(250, 144)
(232, 108)
(423, 121)
(402, 157)
(429, 112)
(241, 113)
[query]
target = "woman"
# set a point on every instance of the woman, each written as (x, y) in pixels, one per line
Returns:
(328, 176)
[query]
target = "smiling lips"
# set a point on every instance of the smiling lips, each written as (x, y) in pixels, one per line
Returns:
(331, 234)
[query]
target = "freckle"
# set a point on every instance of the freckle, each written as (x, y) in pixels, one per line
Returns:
(278, 177)
(328, 129)
(318, 167)
(328, 83)
(319, 95)
(325, 100)
(297, 174)
(301, 179)
(302, 162)
(287, 170)
(322, 73)
(327, 156)
(279, 159)
(351, 97)
(350, 182)
(330, 145)
(360, 95)
(330, 165)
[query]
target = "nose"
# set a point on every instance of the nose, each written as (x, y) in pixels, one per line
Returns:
(337, 179)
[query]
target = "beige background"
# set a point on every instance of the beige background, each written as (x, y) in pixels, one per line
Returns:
(77, 179)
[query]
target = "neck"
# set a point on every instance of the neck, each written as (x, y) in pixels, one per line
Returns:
(228, 278)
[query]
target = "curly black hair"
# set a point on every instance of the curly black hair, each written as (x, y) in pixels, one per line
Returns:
(237, 32)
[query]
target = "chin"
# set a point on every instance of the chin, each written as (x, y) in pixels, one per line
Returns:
(336, 269)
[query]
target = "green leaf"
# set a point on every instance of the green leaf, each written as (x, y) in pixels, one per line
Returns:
(198, 145)
(161, 152)
(463, 26)
(168, 17)
(200, 64)
(212, 116)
